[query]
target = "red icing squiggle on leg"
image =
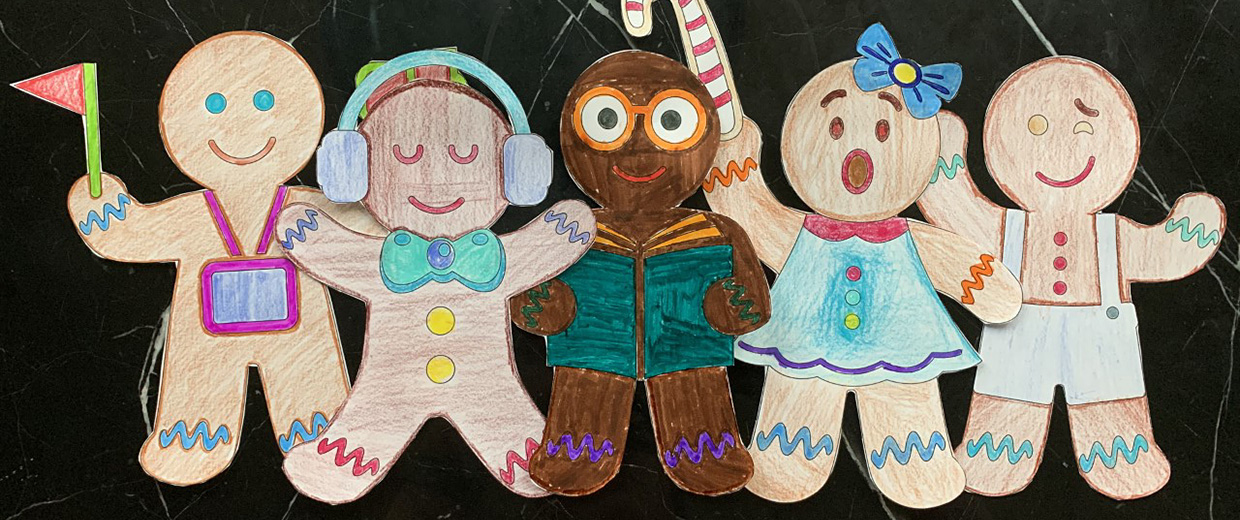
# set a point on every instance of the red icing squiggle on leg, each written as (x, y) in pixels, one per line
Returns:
(356, 456)
(514, 459)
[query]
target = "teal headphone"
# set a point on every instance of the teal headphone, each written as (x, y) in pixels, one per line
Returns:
(342, 159)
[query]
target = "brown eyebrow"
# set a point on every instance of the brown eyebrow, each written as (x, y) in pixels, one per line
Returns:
(832, 96)
(885, 96)
(1080, 105)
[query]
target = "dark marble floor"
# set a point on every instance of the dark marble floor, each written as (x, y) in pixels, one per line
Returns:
(81, 338)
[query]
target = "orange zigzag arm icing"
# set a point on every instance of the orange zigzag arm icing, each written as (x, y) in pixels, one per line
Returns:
(977, 271)
(740, 173)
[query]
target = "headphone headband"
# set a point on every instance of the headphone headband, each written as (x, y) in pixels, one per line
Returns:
(462, 62)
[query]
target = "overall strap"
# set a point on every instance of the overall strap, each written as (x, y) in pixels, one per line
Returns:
(1108, 259)
(1013, 240)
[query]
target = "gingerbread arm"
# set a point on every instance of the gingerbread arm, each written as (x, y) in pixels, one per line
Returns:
(546, 246)
(1176, 247)
(951, 200)
(546, 309)
(118, 227)
(735, 188)
(345, 260)
(352, 216)
(742, 302)
(967, 273)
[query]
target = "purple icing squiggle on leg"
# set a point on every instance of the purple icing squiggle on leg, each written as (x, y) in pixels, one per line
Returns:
(672, 457)
(574, 451)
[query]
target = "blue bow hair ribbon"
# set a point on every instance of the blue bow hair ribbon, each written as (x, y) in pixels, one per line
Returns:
(922, 87)
(409, 261)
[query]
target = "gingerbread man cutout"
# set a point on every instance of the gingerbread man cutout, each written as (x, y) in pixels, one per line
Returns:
(1062, 141)
(658, 297)
(442, 160)
(854, 308)
(237, 302)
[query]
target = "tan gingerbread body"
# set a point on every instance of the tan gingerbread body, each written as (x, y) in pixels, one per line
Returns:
(437, 344)
(857, 157)
(203, 378)
(1062, 140)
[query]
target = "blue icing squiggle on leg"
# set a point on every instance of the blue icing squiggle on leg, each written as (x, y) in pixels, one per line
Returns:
(902, 455)
(993, 452)
(788, 446)
(298, 429)
(1118, 447)
(190, 438)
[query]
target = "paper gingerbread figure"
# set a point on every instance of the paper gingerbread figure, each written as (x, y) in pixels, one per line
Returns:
(237, 302)
(854, 306)
(443, 165)
(659, 295)
(1062, 141)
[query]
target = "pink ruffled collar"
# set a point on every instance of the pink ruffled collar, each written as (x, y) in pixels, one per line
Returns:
(840, 230)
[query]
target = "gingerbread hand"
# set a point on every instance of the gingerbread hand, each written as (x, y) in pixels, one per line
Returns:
(968, 274)
(345, 260)
(1175, 247)
(951, 200)
(547, 309)
(118, 227)
(546, 246)
(734, 308)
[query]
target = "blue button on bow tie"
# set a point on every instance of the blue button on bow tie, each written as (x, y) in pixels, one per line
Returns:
(408, 261)
(922, 87)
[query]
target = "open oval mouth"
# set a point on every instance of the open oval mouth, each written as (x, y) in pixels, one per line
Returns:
(435, 210)
(638, 178)
(1089, 168)
(241, 161)
(857, 171)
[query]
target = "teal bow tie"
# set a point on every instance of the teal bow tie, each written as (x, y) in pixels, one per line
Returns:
(408, 261)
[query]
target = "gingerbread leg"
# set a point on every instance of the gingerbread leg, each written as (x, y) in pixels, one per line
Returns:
(361, 443)
(198, 422)
(587, 426)
(905, 437)
(1115, 449)
(796, 437)
(503, 427)
(695, 428)
(304, 382)
(1003, 444)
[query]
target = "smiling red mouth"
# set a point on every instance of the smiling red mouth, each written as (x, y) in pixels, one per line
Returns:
(1089, 167)
(241, 161)
(435, 210)
(635, 178)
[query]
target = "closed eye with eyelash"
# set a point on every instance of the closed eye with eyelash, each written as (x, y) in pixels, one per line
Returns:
(473, 154)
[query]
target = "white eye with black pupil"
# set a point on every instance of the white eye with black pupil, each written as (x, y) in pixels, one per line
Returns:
(603, 118)
(675, 119)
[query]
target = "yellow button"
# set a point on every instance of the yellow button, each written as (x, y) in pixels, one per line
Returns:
(852, 321)
(904, 73)
(440, 369)
(440, 321)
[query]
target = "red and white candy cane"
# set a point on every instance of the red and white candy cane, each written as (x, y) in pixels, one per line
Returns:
(705, 52)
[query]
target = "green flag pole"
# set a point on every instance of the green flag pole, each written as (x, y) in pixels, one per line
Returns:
(90, 120)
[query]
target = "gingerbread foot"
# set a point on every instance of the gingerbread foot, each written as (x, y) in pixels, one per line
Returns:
(906, 443)
(695, 426)
(587, 427)
(794, 446)
(1115, 449)
(1003, 444)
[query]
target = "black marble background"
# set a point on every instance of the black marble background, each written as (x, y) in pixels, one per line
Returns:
(80, 349)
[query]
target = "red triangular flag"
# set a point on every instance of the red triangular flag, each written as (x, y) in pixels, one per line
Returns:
(62, 87)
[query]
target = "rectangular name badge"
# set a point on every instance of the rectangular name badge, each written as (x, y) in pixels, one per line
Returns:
(250, 295)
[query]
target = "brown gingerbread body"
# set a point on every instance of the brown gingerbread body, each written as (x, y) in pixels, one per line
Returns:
(658, 296)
